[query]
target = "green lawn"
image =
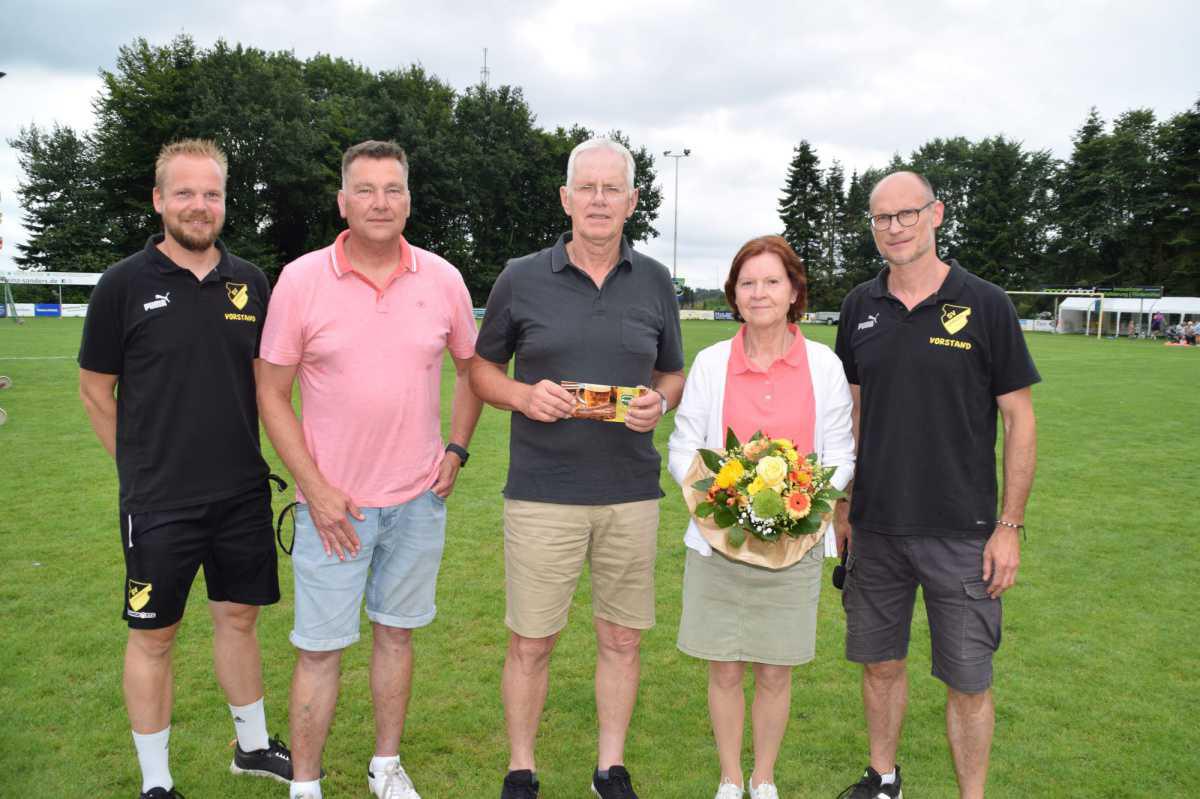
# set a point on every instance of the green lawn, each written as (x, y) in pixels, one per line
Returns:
(1097, 680)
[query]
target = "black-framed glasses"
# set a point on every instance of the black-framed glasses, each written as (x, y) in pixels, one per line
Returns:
(907, 218)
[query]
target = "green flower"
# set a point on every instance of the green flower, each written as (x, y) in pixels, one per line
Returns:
(767, 504)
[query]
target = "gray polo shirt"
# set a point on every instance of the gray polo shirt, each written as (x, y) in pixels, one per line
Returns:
(549, 314)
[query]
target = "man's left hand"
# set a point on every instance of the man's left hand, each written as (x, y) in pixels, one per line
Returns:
(1001, 557)
(447, 474)
(644, 412)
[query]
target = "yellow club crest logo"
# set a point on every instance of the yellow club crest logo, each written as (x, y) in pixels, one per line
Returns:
(955, 317)
(238, 294)
(139, 594)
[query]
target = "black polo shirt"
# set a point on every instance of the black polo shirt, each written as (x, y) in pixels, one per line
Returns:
(929, 379)
(183, 351)
(549, 314)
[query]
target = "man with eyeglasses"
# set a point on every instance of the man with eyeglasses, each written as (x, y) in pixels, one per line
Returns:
(931, 353)
(363, 324)
(589, 308)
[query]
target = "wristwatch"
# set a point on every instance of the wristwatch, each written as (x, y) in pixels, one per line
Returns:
(664, 400)
(462, 454)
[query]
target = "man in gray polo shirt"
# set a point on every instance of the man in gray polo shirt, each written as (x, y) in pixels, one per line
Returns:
(588, 309)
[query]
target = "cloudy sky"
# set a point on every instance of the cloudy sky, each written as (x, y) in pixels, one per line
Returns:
(739, 84)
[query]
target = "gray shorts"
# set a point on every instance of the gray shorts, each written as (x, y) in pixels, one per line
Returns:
(396, 568)
(882, 575)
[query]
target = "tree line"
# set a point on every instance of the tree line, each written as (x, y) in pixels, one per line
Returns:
(484, 175)
(1123, 210)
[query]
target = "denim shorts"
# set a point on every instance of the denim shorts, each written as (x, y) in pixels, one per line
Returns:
(396, 568)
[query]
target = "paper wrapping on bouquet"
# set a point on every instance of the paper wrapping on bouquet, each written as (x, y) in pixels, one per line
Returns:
(780, 554)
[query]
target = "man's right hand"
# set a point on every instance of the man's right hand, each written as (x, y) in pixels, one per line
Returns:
(547, 401)
(328, 507)
(841, 526)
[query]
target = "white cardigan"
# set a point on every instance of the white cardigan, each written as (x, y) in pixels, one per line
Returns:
(699, 416)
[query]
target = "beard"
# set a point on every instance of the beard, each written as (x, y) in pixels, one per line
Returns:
(190, 241)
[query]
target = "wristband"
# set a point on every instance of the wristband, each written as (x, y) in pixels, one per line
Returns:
(460, 452)
(1011, 525)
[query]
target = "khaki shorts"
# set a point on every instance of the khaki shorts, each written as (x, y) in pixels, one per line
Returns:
(545, 547)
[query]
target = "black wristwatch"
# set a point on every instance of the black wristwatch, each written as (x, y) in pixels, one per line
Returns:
(462, 454)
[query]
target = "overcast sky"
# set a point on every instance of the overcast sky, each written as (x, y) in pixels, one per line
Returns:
(738, 83)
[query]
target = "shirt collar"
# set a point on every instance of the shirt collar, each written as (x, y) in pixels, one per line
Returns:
(950, 288)
(222, 271)
(740, 364)
(559, 258)
(342, 266)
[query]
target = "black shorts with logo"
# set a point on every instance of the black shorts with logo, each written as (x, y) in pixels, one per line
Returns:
(232, 538)
(882, 575)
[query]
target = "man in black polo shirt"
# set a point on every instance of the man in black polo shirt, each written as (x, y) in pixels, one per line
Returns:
(588, 309)
(174, 331)
(931, 353)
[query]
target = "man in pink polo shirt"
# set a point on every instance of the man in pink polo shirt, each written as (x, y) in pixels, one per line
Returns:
(363, 324)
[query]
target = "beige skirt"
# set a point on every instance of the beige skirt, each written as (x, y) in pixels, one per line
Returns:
(736, 612)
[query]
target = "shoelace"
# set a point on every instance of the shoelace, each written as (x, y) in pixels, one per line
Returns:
(849, 791)
(765, 791)
(622, 784)
(396, 784)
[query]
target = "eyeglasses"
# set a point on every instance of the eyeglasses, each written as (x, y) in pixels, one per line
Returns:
(907, 218)
(609, 191)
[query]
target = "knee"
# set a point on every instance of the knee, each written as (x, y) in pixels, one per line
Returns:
(318, 662)
(233, 618)
(530, 654)
(885, 673)
(392, 638)
(152, 644)
(772, 679)
(615, 641)
(726, 676)
(965, 704)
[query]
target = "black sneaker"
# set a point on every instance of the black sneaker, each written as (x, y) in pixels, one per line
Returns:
(872, 787)
(521, 784)
(619, 785)
(275, 761)
(161, 793)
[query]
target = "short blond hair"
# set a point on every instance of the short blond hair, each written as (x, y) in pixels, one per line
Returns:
(199, 148)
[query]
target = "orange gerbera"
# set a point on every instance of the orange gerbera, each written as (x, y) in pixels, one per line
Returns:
(798, 504)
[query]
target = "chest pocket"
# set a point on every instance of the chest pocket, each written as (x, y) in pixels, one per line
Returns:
(639, 331)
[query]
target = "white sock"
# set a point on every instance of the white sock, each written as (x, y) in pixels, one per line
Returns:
(250, 722)
(152, 757)
(309, 790)
(379, 763)
(887, 779)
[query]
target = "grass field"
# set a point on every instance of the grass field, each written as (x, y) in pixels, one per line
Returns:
(1098, 678)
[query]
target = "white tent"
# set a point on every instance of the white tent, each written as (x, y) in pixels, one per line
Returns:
(1079, 314)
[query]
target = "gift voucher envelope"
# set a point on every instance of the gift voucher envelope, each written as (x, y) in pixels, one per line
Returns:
(597, 401)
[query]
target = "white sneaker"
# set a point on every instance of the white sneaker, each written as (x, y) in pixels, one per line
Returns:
(392, 783)
(727, 790)
(766, 790)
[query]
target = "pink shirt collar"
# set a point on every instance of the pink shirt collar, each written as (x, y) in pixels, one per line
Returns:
(342, 266)
(739, 363)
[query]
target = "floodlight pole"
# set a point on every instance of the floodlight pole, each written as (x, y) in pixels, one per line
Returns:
(675, 232)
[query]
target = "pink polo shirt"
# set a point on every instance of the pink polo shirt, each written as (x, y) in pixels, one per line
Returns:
(779, 401)
(370, 365)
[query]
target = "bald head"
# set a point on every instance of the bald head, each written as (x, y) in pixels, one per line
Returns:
(906, 182)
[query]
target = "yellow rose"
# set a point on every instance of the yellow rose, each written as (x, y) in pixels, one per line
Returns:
(784, 444)
(772, 470)
(755, 486)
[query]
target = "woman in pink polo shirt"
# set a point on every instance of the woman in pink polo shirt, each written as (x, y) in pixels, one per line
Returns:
(768, 377)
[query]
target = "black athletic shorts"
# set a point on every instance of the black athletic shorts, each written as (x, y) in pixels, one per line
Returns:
(882, 575)
(232, 538)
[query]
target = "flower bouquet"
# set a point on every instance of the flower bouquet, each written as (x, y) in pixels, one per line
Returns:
(760, 502)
